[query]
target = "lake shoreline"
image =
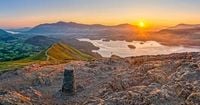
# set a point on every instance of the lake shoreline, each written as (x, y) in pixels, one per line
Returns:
(107, 48)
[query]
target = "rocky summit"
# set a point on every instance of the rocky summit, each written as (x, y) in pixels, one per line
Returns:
(144, 80)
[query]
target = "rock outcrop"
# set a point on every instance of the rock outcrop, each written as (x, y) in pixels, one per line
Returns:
(146, 80)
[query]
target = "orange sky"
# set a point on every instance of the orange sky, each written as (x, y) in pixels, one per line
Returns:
(154, 13)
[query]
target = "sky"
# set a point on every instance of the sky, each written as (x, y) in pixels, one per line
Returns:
(28, 13)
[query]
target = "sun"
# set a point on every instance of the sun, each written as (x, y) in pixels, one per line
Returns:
(141, 24)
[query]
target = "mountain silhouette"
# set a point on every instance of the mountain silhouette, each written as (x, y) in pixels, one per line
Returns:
(72, 27)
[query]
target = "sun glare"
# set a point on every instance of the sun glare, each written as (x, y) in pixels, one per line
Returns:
(141, 24)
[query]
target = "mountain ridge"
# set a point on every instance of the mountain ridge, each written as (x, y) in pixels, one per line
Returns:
(56, 53)
(65, 27)
(62, 52)
(183, 26)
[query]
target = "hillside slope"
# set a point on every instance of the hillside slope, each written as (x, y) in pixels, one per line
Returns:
(4, 36)
(41, 41)
(63, 52)
(58, 52)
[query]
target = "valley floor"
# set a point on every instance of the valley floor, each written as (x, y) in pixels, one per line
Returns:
(159, 80)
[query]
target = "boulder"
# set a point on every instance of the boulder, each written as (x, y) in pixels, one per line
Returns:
(158, 76)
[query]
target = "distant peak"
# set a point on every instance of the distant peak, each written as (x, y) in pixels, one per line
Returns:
(61, 22)
(125, 24)
(72, 23)
(1, 30)
(185, 26)
(66, 23)
(182, 24)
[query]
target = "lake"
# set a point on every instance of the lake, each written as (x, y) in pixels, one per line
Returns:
(136, 48)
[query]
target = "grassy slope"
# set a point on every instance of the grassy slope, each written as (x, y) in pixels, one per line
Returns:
(63, 52)
(4, 66)
(57, 52)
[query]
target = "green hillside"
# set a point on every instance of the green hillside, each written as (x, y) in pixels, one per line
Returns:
(58, 52)
(9, 65)
(63, 52)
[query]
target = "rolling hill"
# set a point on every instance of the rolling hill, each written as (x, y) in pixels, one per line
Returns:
(185, 26)
(13, 47)
(182, 29)
(63, 52)
(58, 52)
(181, 34)
(5, 36)
(2, 32)
(41, 41)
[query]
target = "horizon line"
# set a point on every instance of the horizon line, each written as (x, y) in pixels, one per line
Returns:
(125, 23)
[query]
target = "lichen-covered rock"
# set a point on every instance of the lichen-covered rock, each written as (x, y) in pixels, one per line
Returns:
(145, 80)
(13, 98)
(193, 99)
(158, 76)
(41, 81)
(94, 101)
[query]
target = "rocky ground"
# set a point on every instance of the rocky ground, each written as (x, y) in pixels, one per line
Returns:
(146, 80)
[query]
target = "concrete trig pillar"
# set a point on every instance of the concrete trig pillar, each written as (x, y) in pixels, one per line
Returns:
(69, 87)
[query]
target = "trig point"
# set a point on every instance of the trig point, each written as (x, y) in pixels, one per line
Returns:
(68, 86)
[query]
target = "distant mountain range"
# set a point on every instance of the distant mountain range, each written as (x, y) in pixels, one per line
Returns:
(182, 29)
(185, 26)
(41, 41)
(42, 36)
(65, 30)
(24, 29)
(72, 27)
(181, 34)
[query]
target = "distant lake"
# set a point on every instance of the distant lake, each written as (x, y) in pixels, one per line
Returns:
(12, 32)
(136, 48)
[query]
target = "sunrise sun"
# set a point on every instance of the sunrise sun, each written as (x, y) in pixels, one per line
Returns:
(141, 24)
